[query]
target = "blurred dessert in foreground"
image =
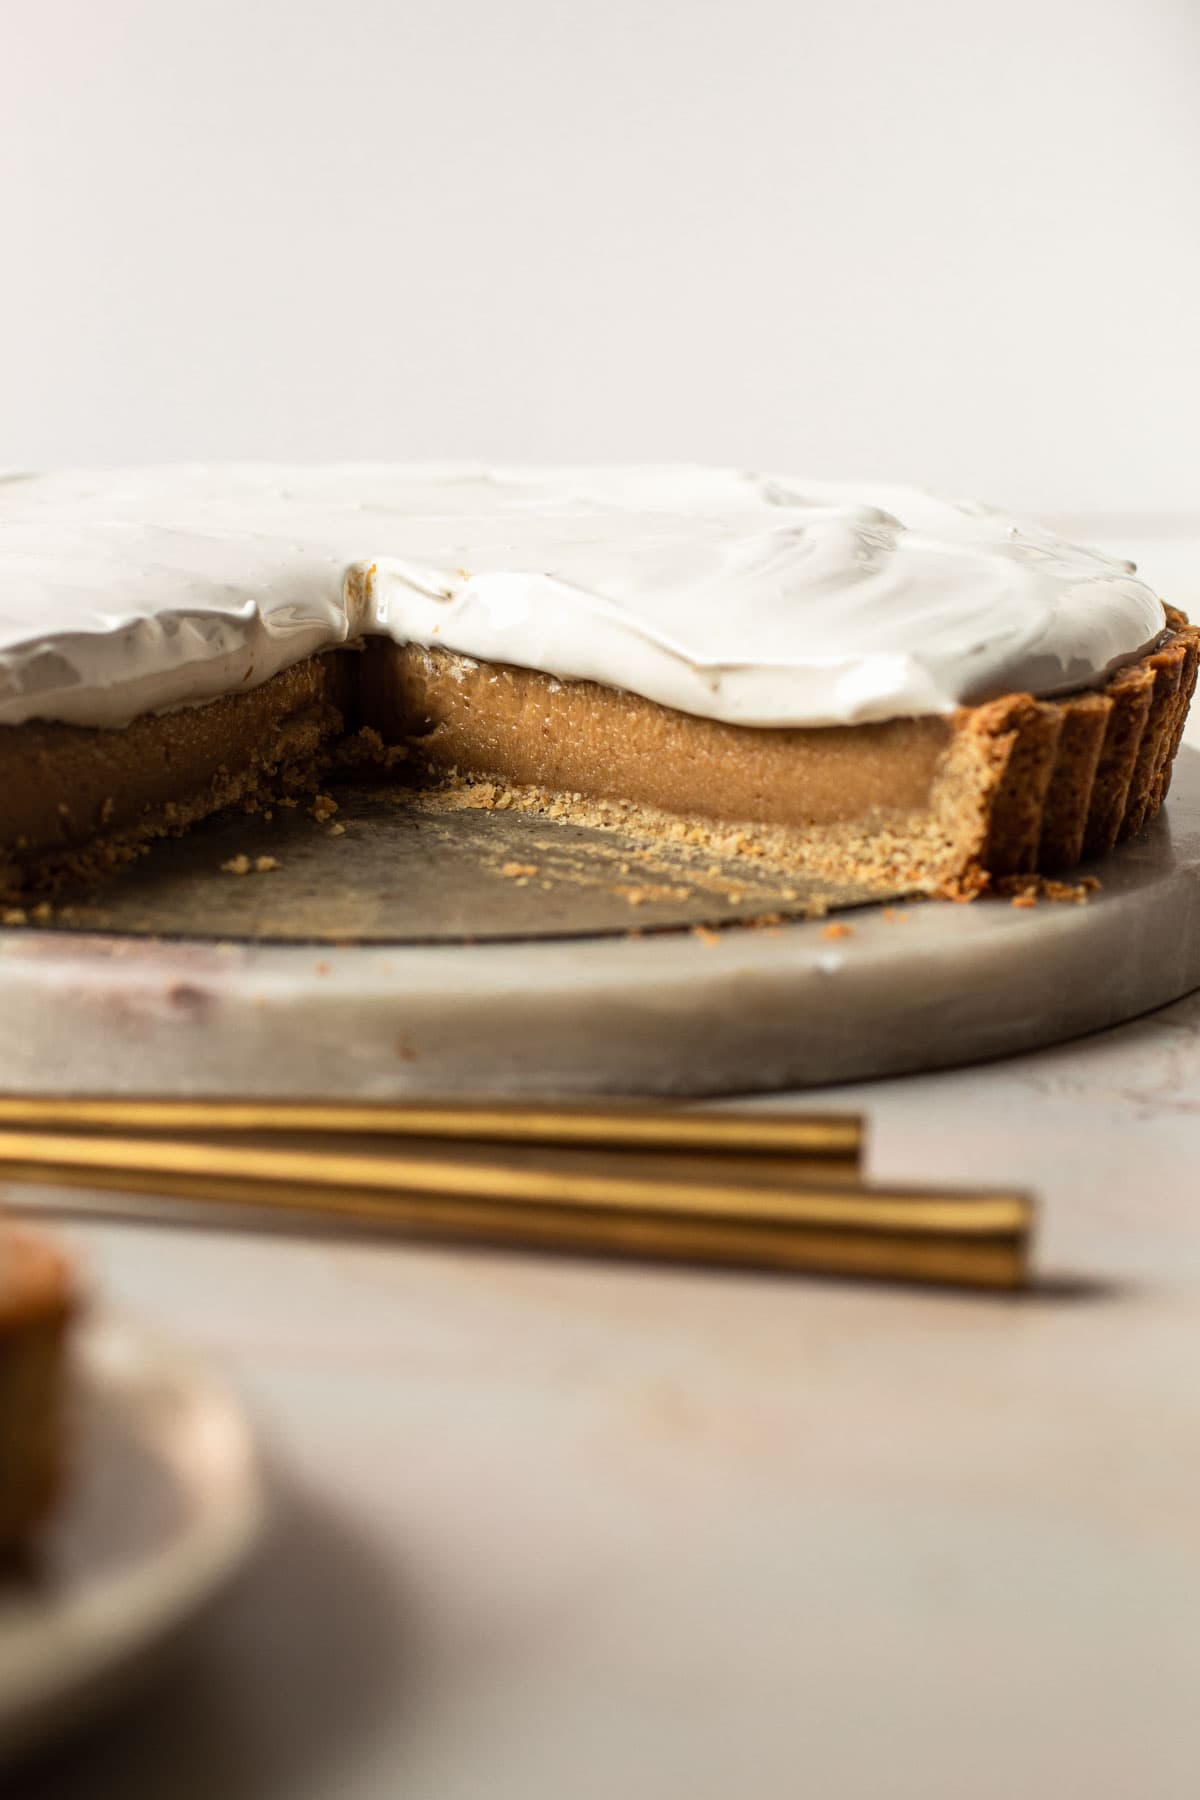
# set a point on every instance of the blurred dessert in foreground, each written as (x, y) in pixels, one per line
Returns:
(37, 1302)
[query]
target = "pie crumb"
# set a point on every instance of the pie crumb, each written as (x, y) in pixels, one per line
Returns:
(515, 870)
(638, 894)
(1027, 890)
(1075, 893)
(837, 930)
(323, 808)
(243, 865)
(706, 935)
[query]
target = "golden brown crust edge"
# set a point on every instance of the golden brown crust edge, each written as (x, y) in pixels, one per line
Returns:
(1086, 772)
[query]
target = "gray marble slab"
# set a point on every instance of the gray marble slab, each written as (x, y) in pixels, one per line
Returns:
(674, 1011)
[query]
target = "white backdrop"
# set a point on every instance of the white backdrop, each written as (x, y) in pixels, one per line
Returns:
(949, 241)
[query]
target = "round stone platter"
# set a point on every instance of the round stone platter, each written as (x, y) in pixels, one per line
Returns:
(419, 950)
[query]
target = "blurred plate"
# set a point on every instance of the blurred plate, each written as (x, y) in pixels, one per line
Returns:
(164, 1500)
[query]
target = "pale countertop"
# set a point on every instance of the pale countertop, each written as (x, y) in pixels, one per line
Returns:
(549, 1531)
(553, 1529)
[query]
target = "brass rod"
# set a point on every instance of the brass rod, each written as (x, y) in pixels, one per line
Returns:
(84, 1157)
(976, 1240)
(603, 1126)
(983, 1262)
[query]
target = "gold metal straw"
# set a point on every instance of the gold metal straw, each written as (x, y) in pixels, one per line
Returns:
(973, 1240)
(833, 1137)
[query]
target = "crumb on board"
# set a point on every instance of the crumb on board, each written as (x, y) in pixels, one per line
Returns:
(837, 930)
(515, 871)
(244, 865)
(892, 916)
(337, 829)
(638, 894)
(706, 934)
(1074, 893)
(323, 808)
(1027, 890)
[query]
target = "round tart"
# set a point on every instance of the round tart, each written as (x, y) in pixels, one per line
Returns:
(884, 688)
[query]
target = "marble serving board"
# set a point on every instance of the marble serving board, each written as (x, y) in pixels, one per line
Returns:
(420, 953)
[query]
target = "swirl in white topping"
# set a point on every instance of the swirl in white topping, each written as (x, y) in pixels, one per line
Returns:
(761, 601)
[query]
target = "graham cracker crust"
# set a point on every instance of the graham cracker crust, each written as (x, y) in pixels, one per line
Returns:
(945, 806)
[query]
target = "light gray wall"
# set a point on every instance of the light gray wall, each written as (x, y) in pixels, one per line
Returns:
(950, 241)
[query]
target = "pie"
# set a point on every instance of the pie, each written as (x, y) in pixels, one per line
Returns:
(37, 1300)
(882, 687)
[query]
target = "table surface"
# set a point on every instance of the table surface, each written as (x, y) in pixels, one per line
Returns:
(548, 1529)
